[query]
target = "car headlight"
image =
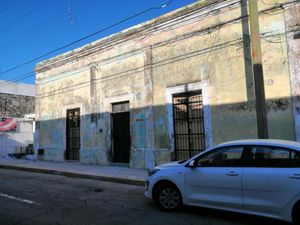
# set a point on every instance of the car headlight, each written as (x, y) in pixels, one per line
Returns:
(153, 171)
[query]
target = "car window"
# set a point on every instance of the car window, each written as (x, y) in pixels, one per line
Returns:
(265, 156)
(224, 157)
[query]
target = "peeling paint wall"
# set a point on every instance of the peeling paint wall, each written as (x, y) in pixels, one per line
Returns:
(206, 42)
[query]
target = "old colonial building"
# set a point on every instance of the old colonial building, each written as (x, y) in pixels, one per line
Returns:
(16, 117)
(171, 87)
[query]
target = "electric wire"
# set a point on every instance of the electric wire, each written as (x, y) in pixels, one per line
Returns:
(135, 71)
(179, 18)
(55, 20)
(209, 30)
(6, 8)
(20, 77)
(164, 5)
(210, 12)
(198, 32)
(208, 50)
(98, 49)
(88, 36)
(92, 49)
(25, 15)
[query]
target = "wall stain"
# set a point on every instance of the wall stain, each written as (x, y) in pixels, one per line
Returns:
(275, 105)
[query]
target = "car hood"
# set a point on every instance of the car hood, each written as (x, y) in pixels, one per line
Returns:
(171, 164)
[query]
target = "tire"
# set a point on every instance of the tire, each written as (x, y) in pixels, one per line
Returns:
(296, 214)
(169, 197)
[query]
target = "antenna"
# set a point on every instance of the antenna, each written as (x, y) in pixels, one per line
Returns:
(71, 16)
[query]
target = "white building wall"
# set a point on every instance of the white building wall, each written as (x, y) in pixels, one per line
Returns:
(14, 142)
(17, 88)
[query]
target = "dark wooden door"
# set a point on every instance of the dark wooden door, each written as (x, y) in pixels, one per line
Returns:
(73, 134)
(121, 137)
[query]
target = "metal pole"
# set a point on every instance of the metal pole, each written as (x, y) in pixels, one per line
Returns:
(261, 115)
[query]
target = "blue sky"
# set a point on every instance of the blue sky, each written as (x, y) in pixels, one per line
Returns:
(31, 28)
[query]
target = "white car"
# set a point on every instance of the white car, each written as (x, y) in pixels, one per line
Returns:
(260, 177)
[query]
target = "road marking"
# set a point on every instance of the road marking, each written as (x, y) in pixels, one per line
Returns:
(19, 199)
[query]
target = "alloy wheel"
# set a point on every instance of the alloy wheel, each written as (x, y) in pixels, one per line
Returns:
(169, 198)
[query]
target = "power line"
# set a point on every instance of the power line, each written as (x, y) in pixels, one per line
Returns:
(211, 5)
(10, 5)
(198, 52)
(172, 40)
(97, 48)
(133, 71)
(25, 15)
(198, 32)
(118, 40)
(88, 36)
(21, 77)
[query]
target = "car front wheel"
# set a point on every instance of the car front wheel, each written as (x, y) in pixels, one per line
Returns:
(169, 197)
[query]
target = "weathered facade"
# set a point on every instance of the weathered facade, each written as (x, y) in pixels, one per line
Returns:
(165, 89)
(17, 101)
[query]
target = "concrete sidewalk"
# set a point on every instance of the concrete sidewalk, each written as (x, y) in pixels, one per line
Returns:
(118, 174)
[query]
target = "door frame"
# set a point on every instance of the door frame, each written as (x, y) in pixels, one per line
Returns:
(202, 86)
(64, 134)
(67, 131)
(107, 107)
(112, 136)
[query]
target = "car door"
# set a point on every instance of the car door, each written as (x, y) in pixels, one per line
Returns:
(271, 180)
(215, 179)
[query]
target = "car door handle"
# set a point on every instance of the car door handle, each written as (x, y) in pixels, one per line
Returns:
(232, 174)
(295, 176)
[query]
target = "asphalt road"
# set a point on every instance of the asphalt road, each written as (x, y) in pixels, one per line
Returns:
(42, 199)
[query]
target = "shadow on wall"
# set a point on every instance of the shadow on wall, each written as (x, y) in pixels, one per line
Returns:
(152, 133)
(10, 148)
(154, 141)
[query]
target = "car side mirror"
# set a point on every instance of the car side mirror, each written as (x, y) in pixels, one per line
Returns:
(192, 164)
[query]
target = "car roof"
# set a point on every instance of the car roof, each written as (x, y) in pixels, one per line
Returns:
(265, 142)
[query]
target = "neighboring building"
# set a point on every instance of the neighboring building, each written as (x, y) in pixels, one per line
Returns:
(16, 124)
(171, 87)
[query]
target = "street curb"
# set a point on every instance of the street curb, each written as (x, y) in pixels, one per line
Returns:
(75, 175)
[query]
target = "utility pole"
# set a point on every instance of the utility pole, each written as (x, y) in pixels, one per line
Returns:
(261, 115)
